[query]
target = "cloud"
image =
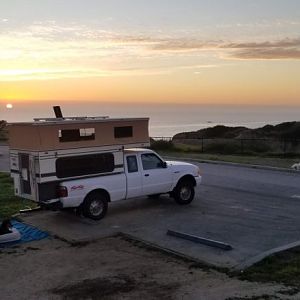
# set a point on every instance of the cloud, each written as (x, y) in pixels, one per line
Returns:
(75, 40)
(265, 44)
(268, 50)
(267, 54)
(184, 45)
(13, 75)
(47, 50)
(281, 49)
(58, 73)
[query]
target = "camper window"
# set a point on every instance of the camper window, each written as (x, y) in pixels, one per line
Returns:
(84, 165)
(74, 135)
(123, 132)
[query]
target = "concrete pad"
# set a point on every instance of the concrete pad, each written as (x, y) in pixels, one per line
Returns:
(145, 219)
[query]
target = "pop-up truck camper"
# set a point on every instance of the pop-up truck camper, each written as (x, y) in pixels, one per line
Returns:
(86, 162)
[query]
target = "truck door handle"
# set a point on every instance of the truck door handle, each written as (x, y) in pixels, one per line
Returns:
(146, 175)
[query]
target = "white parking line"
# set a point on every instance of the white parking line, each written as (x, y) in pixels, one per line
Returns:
(296, 196)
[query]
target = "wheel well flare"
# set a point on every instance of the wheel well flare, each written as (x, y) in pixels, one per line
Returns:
(99, 191)
(188, 178)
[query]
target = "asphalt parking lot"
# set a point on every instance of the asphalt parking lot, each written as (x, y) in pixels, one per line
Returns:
(253, 210)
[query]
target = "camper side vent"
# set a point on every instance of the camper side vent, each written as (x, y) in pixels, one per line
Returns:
(74, 135)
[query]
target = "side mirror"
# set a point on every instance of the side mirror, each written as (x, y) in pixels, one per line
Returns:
(164, 165)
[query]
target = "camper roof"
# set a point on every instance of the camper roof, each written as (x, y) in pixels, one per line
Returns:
(79, 132)
(74, 120)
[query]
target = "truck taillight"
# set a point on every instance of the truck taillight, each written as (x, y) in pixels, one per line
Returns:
(62, 192)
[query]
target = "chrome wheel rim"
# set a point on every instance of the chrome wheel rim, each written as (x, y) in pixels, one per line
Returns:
(96, 207)
(185, 193)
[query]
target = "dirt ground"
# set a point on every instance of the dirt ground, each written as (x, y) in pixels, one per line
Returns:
(115, 268)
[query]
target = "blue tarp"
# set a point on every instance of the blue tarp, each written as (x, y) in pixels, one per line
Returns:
(28, 233)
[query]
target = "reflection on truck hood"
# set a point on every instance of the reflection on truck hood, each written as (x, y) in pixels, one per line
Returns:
(178, 163)
(179, 166)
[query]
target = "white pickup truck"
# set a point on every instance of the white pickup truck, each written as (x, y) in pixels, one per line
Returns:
(145, 174)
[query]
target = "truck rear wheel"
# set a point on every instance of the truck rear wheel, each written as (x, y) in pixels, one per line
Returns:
(95, 206)
(184, 192)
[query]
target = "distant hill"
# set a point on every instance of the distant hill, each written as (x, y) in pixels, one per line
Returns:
(287, 130)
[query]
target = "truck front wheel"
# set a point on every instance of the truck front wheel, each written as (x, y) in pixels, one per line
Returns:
(184, 192)
(95, 206)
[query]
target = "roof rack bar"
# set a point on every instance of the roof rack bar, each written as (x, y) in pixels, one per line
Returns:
(69, 119)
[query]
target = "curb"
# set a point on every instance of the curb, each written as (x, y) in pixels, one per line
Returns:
(202, 264)
(232, 164)
(255, 259)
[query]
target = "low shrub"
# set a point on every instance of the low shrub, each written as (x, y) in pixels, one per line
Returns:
(222, 148)
(162, 145)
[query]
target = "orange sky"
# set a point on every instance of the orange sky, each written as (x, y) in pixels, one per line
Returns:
(221, 85)
(210, 57)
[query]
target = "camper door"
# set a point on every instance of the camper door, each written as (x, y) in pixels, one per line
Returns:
(27, 175)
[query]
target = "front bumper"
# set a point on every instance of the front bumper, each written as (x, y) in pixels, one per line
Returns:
(198, 180)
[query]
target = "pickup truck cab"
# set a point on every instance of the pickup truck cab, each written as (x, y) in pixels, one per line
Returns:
(145, 174)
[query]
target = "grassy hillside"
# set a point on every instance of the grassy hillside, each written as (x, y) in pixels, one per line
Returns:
(282, 139)
(287, 130)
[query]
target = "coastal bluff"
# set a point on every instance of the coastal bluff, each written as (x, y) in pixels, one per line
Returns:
(286, 130)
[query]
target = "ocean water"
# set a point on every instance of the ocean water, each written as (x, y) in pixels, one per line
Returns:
(165, 119)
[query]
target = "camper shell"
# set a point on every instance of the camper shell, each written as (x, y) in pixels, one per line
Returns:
(47, 151)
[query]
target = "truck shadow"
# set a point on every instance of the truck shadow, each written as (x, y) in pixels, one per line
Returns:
(127, 209)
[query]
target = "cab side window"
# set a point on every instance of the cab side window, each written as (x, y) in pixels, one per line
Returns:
(151, 161)
(132, 165)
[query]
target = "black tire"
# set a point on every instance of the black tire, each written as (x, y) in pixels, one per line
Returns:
(95, 206)
(184, 192)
